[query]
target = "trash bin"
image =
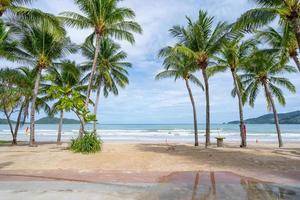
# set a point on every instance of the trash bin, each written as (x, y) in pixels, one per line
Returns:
(220, 141)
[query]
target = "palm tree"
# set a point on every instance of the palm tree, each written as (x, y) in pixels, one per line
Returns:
(106, 18)
(284, 42)
(67, 76)
(41, 47)
(28, 83)
(233, 55)
(16, 93)
(287, 10)
(8, 46)
(11, 92)
(10, 4)
(179, 66)
(30, 15)
(111, 71)
(200, 41)
(262, 70)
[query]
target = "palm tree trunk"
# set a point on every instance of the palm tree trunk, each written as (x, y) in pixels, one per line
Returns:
(18, 124)
(269, 96)
(60, 126)
(96, 108)
(194, 112)
(97, 50)
(33, 102)
(242, 122)
(9, 122)
(296, 60)
(294, 21)
(80, 120)
(207, 142)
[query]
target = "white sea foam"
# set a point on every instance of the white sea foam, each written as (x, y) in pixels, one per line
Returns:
(182, 133)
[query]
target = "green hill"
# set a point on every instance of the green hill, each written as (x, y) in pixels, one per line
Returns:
(4, 121)
(284, 118)
(48, 120)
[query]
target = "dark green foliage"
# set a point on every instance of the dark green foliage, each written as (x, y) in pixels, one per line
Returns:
(89, 143)
(4, 121)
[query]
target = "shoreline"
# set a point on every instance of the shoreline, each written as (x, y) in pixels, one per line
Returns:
(234, 144)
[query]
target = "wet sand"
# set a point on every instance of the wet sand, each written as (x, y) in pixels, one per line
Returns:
(176, 186)
(149, 162)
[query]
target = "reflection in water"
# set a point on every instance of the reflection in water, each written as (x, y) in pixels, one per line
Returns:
(221, 186)
(175, 186)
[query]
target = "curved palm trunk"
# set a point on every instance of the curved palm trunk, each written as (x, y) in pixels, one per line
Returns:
(97, 50)
(60, 127)
(15, 136)
(241, 112)
(80, 119)
(194, 112)
(269, 96)
(294, 21)
(96, 108)
(296, 60)
(9, 122)
(33, 106)
(207, 142)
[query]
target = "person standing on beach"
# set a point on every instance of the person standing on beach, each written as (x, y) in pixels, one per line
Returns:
(27, 132)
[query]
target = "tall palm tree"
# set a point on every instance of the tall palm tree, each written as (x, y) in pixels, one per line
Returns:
(41, 47)
(179, 66)
(28, 83)
(287, 10)
(66, 75)
(233, 55)
(201, 41)
(284, 42)
(263, 70)
(106, 18)
(111, 71)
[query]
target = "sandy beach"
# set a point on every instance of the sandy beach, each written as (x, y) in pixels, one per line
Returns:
(148, 162)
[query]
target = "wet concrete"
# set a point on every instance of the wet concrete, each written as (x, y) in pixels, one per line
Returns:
(131, 185)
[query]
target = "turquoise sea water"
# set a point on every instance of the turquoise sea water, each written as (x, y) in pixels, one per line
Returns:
(161, 132)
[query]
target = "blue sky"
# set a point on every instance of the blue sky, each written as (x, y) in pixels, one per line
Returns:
(148, 101)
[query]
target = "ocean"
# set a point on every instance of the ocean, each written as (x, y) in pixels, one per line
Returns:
(160, 132)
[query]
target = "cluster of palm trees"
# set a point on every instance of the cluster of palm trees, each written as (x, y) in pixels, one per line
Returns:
(257, 57)
(39, 41)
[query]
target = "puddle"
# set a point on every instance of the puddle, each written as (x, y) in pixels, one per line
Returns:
(223, 185)
(173, 186)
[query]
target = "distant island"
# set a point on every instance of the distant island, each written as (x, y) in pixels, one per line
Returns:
(284, 118)
(4, 121)
(47, 120)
